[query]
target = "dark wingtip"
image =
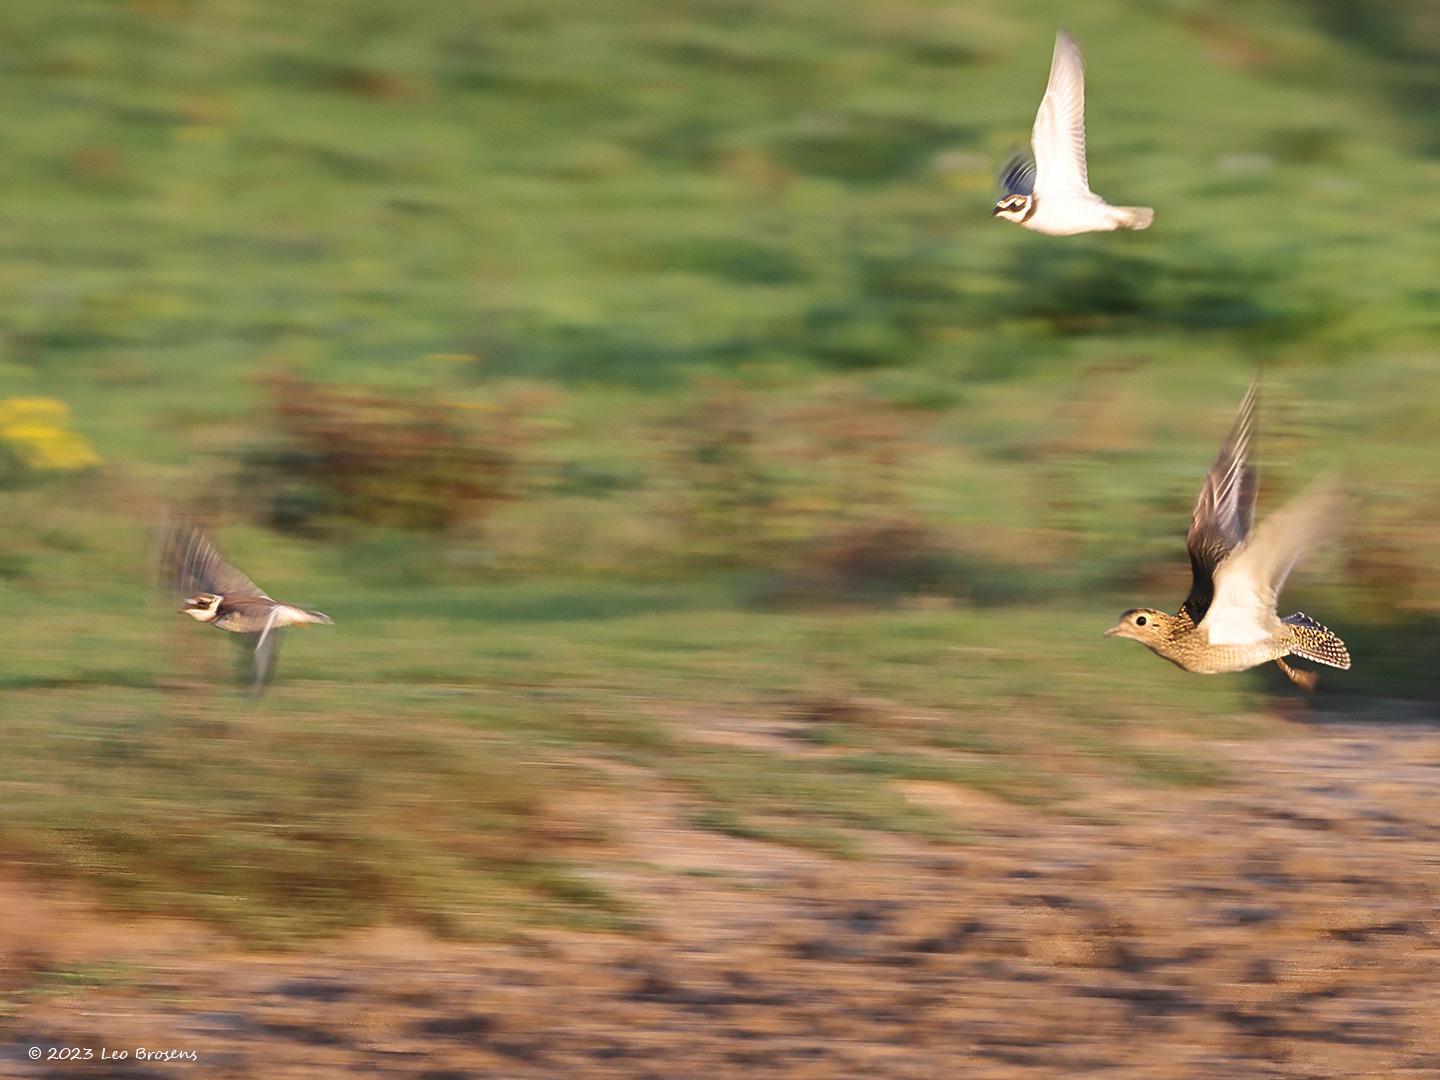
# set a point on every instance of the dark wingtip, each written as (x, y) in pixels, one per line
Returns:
(1017, 174)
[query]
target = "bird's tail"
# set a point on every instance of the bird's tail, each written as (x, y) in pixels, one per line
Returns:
(319, 617)
(1315, 642)
(1133, 217)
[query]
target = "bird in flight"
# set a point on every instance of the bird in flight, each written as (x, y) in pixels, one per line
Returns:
(1050, 192)
(217, 593)
(1229, 622)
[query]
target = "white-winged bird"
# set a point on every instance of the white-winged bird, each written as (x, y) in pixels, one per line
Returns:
(1050, 193)
(1229, 622)
(217, 593)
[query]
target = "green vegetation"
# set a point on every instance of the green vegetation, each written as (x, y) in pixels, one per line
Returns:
(804, 480)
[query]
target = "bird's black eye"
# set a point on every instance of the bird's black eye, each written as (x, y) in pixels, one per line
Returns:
(1140, 620)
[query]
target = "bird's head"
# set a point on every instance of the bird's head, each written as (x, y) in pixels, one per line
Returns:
(1015, 207)
(202, 606)
(1145, 625)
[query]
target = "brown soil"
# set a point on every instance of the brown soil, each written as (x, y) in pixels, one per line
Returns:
(1280, 927)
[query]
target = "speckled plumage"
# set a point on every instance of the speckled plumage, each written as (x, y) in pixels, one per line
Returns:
(1228, 621)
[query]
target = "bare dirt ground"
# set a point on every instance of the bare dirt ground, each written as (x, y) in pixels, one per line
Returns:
(1283, 926)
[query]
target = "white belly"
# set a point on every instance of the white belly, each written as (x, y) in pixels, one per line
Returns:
(1069, 217)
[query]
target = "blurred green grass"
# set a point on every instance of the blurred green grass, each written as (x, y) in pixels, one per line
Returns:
(421, 762)
(617, 207)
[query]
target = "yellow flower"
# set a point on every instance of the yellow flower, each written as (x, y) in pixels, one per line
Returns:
(29, 408)
(36, 430)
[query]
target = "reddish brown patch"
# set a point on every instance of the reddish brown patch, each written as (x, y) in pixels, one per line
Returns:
(1282, 924)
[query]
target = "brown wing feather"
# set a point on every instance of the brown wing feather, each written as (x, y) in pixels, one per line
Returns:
(191, 564)
(1223, 510)
(247, 615)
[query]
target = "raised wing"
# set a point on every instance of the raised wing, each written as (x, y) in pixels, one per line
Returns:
(1224, 508)
(1058, 138)
(1248, 583)
(190, 564)
(1019, 175)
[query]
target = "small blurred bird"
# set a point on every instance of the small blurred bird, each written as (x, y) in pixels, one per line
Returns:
(1050, 193)
(218, 594)
(1228, 622)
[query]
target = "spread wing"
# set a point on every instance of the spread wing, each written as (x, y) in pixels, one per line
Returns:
(1018, 178)
(1058, 138)
(1249, 582)
(190, 564)
(1223, 510)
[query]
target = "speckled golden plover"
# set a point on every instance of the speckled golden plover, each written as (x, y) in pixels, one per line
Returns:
(1050, 193)
(1229, 622)
(217, 593)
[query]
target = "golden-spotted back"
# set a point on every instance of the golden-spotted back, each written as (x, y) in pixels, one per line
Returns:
(1228, 621)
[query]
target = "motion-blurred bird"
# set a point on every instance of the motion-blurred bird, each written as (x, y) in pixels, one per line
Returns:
(1050, 193)
(1228, 622)
(218, 594)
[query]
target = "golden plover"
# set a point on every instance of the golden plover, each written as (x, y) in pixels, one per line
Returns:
(1229, 622)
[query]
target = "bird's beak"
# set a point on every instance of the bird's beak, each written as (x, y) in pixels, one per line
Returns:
(1116, 629)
